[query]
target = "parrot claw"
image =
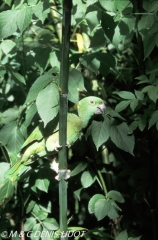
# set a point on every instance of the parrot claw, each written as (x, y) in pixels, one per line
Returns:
(68, 144)
(55, 166)
(67, 175)
(57, 147)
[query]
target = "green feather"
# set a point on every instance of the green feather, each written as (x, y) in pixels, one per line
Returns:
(43, 141)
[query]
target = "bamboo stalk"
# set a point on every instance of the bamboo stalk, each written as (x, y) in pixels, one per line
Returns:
(63, 84)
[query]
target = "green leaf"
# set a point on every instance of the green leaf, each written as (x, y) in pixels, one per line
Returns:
(7, 46)
(36, 135)
(32, 2)
(8, 23)
(79, 13)
(31, 111)
(29, 224)
(87, 179)
(16, 140)
(76, 82)
(147, 88)
(90, 62)
(37, 86)
(42, 62)
(92, 19)
(153, 7)
(100, 133)
(30, 206)
(107, 61)
(136, 238)
(115, 205)
(122, 105)
(11, 137)
(122, 236)
(16, 76)
(146, 22)
(98, 42)
(6, 132)
(98, 61)
(139, 95)
(153, 93)
(108, 5)
(36, 231)
(114, 114)
(142, 123)
(24, 17)
(101, 208)
(118, 38)
(121, 5)
(88, 3)
(4, 167)
(79, 168)
(8, 2)
(42, 184)
(93, 200)
(143, 79)
(127, 25)
(134, 104)
(77, 193)
(152, 77)
(149, 44)
(126, 95)
(113, 211)
(133, 126)
(7, 187)
(50, 224)
(108, 24)
(9, 115)
(153, 119)
(104, 208)
(42, 215)
(39, 11)
(116, 196)
(119, 136)
(54, 61)
(36, 209)
(47, 103)
(48, 208)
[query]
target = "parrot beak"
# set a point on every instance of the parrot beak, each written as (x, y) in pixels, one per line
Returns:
(101, 108)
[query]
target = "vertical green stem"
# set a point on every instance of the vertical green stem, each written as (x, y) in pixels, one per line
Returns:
(64, 73)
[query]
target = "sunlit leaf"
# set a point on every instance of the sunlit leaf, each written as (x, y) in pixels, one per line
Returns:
(47, 103)
(93, 200)
(50, 224)
(42, 184)
(87, 179)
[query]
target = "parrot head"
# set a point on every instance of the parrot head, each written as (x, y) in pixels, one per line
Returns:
(90, 106)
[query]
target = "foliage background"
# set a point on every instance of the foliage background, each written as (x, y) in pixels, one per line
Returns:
(113, 55)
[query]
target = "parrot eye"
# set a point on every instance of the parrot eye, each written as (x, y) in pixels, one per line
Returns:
(92, 102)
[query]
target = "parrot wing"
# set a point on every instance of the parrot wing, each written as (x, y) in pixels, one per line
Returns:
(36, 135)
(43, 141)
(40, 132)
(74, 127)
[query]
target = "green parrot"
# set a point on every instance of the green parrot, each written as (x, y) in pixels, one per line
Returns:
(42, 143)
